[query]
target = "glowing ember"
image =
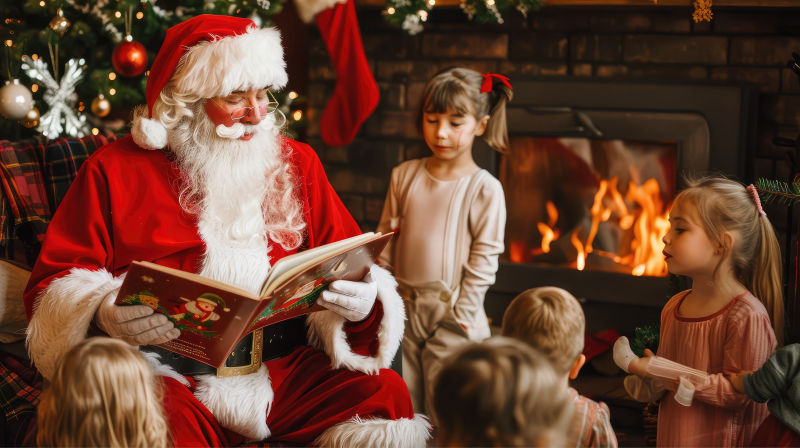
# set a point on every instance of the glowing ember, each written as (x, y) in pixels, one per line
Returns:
(517, 252)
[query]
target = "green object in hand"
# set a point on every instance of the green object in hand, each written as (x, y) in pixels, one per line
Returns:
(647, 337)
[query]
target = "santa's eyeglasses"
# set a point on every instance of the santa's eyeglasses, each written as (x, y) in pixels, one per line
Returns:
(266, 105)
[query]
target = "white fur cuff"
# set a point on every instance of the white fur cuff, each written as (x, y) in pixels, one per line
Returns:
(239, 403)
(358, 433)
(149, 134)
(326, 330)
(63, 312)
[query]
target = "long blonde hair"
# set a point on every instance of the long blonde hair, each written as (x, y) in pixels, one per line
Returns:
(102, 395)
(501, 392)
(726, 206)
(459, 89)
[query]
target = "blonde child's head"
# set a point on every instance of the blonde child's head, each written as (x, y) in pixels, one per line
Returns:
(500, 393)
(550, 320)
(456, 92)
(102, 395)
(737, 230)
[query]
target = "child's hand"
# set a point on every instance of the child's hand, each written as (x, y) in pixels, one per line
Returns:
(737, 380)
(638, 366)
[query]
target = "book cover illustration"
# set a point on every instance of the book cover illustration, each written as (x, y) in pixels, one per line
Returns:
(196, 316)
(211, 319)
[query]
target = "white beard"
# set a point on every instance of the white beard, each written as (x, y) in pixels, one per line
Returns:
(227, 184)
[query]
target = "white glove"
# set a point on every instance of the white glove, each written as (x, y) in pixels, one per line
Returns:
(623, 355)
(352, 300)
(134, 324)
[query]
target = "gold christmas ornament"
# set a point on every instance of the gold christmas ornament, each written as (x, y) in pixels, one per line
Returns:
(101, 106)
(59, 23)
(31, 119)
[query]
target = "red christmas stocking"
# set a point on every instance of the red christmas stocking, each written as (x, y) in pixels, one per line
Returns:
(356, 94)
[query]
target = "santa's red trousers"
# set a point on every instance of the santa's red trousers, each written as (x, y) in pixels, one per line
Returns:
(310, 397)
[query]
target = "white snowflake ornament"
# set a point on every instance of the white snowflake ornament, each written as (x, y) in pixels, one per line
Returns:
(61, 98)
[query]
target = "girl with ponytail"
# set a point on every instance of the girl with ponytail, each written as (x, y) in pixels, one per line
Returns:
(448, 216)
(731, 320)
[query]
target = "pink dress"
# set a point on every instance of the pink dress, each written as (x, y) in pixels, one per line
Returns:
(737, 337)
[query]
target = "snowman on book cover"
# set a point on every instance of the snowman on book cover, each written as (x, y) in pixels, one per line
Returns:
(199, 313)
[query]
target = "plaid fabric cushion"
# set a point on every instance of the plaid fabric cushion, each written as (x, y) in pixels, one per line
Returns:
(36, 174)
(23, 182)
(16, 397)
(63, 158)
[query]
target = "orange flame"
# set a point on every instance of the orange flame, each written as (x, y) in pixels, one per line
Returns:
(581, 261)
(648, 225)
(547, 236)
(552, 214)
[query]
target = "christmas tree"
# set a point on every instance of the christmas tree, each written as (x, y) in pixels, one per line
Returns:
(86, 62)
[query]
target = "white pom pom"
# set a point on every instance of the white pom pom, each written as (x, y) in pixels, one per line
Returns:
(149, 134)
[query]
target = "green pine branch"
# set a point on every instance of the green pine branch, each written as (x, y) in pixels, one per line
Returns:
(647, 337)
(775, 191)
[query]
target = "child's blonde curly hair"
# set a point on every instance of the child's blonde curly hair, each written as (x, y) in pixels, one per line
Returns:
(500, 393)
(103, 395)
(550, 320)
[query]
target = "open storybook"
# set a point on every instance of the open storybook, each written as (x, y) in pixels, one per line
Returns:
(213, 316)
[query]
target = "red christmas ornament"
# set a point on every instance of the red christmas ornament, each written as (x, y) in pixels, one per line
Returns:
(129, 58)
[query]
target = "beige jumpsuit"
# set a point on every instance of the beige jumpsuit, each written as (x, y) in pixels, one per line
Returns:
(444, 259)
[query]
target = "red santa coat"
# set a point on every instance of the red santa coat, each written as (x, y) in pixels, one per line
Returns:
(123, 207)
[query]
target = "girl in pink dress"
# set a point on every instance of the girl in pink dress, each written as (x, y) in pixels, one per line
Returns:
(722, 239)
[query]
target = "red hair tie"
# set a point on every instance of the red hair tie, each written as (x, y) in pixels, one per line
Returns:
(486, 86)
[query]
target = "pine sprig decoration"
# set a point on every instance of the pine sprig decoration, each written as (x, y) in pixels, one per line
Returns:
(775, 191)
(407, 14)
(491, 11)
(702, 11)
(410, 14)
(647, 337)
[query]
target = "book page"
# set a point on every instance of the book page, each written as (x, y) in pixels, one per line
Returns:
(287, 264)
(298, 294)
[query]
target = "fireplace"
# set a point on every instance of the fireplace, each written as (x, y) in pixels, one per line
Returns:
(589, 178)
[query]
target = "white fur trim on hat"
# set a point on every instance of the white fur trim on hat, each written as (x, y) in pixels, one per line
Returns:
(326, 330)
(249, 61)
(147, 133)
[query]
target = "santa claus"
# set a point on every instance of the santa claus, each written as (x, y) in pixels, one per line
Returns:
(206, 183)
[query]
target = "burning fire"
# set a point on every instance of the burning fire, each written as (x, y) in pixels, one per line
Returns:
(648, 225)
(548, 233)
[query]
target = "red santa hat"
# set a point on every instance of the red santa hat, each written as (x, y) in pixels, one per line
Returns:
(209, 56)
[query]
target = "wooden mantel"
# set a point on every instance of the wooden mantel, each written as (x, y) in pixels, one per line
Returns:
(762, 3)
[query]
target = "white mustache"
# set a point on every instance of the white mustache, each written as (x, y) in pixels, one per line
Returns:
(233, 132)
(239, 129)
